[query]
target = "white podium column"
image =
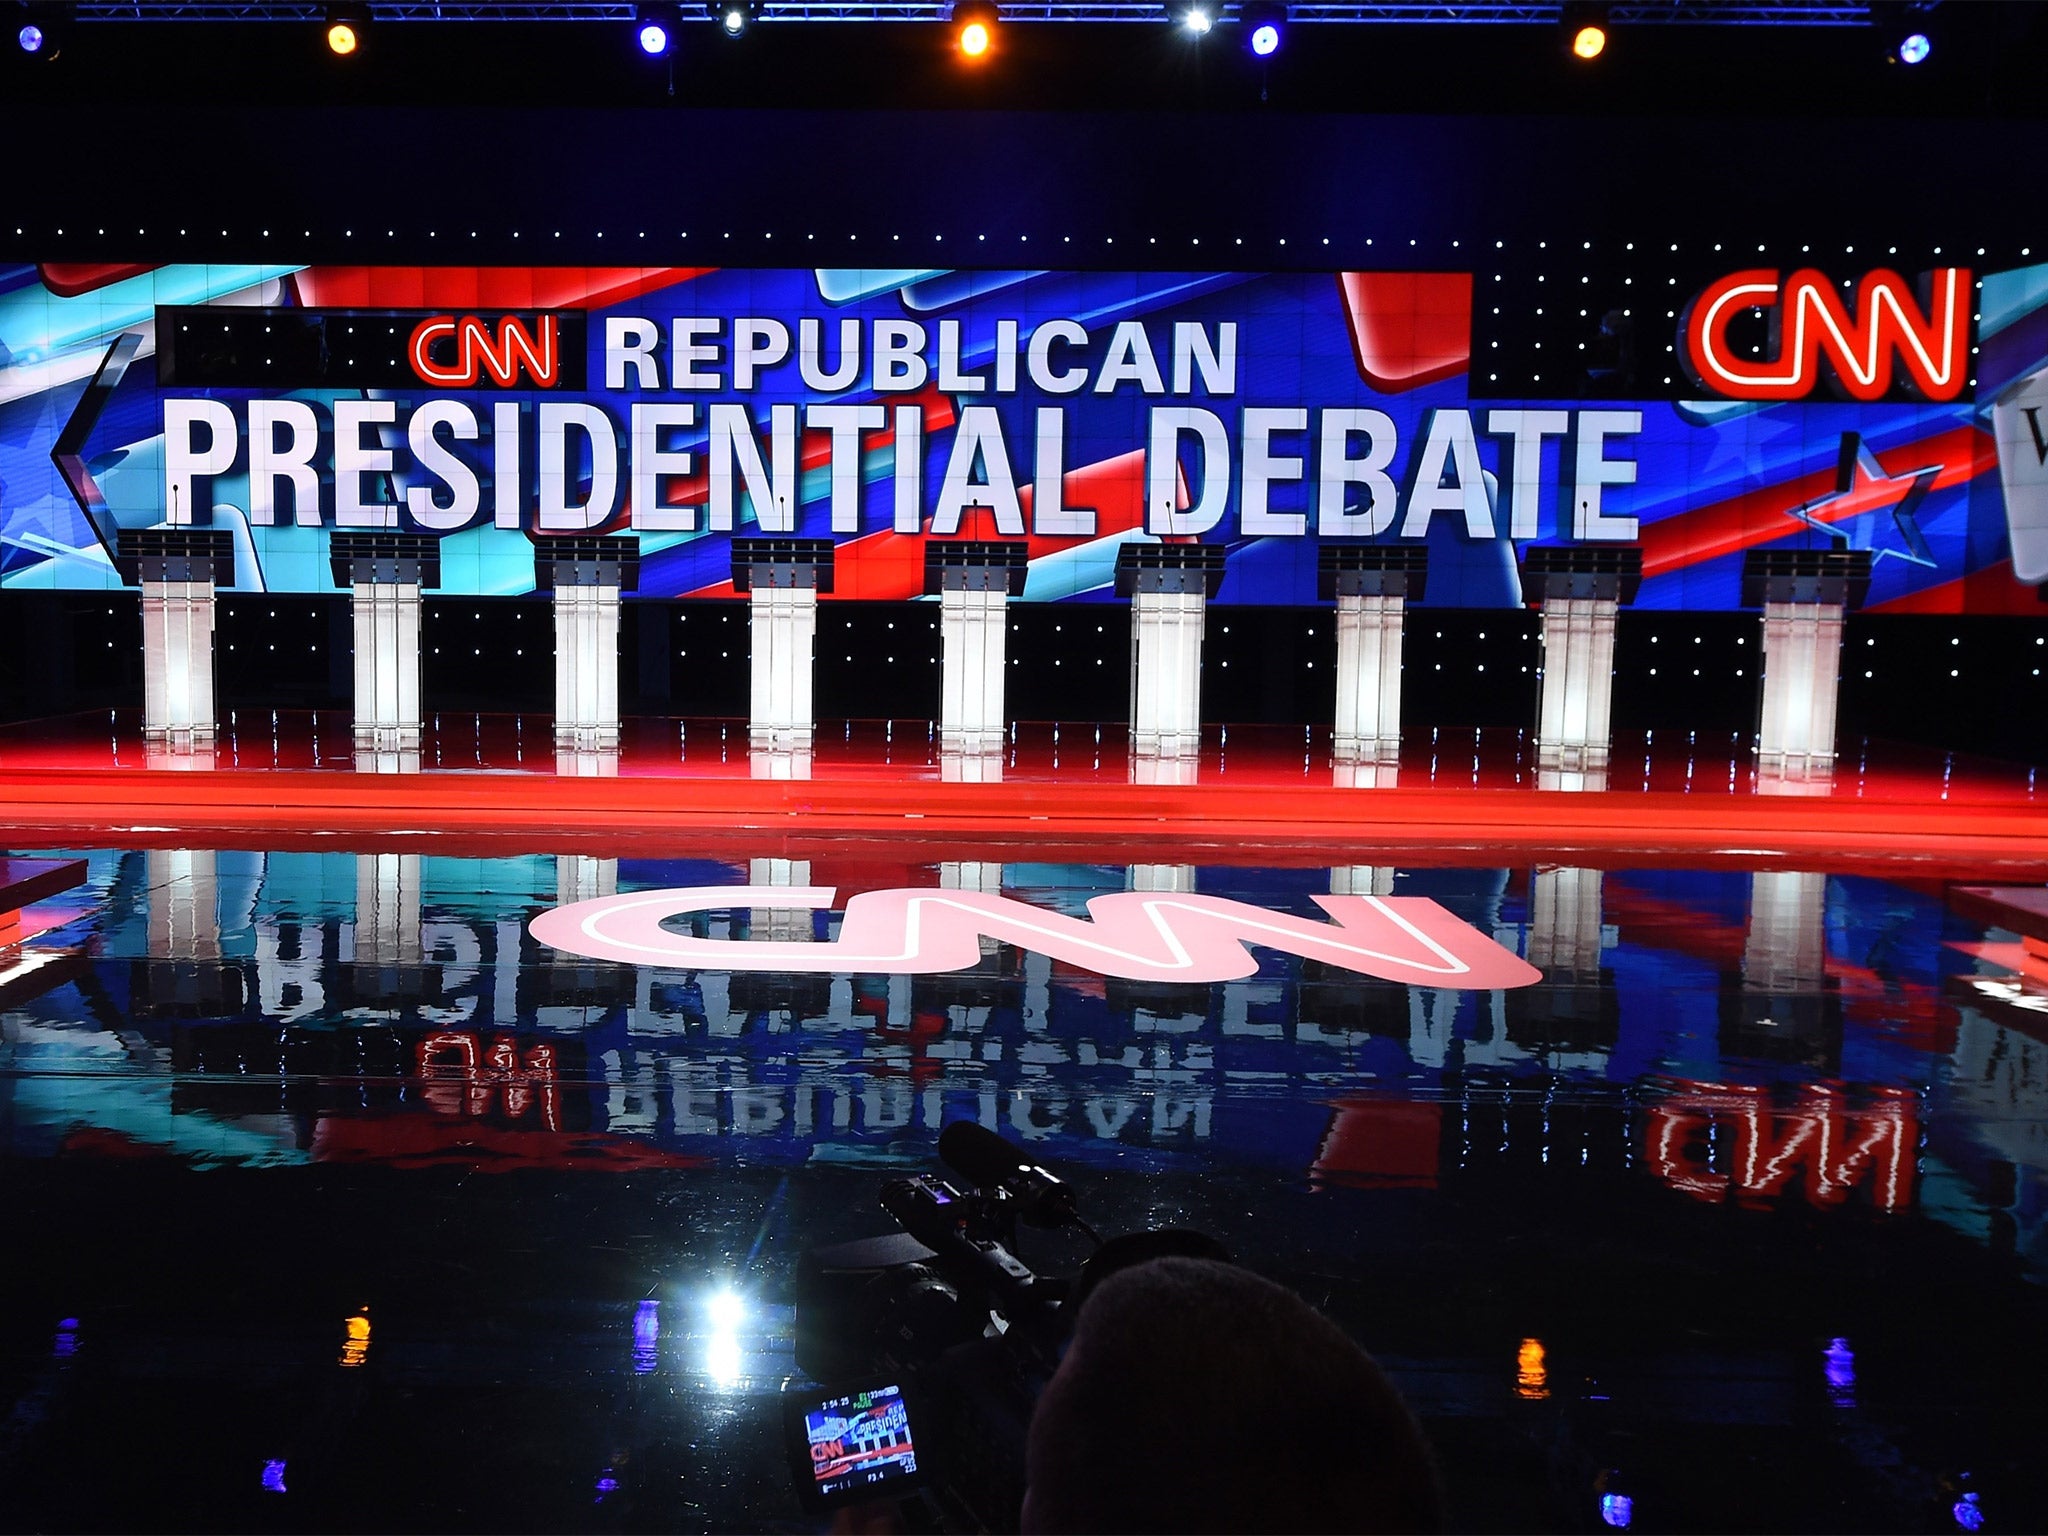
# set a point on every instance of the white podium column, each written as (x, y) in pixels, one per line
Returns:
(387, 659)
(178, 569)
(385, 574)
(1368, 678)
(1371, 584)
(974, 580)
(1802, 670)
(1580, 589)
(1166, 672)
(587, 666)
(1169, 586)
(586, 574)
(785, 629)
(972, 625)
(1804, 594)
(1573, 729)
(782, 579)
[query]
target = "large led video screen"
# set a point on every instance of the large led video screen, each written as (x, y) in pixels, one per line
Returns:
(1079, 411)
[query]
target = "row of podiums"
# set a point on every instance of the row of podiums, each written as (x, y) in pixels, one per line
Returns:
(1578, 591)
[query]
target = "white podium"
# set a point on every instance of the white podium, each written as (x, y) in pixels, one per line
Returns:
(1169, 586)
(385, 573)
(974, 580)
(1371, 585)
(1804, 594)
(586, 573)
(178, 569)
(782, 579)
(1579, 589)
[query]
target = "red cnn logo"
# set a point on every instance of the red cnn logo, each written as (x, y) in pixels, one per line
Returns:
(1928, 334)
(478, 353)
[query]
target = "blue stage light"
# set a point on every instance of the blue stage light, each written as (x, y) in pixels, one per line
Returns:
(31, 38)
(653, 38)
(1265, 28)
(1914, 47)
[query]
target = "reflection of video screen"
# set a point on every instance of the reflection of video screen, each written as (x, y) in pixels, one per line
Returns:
(860, 1440)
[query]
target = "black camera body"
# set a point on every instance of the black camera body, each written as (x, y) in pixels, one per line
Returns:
(935, 1341)
(945, 1312)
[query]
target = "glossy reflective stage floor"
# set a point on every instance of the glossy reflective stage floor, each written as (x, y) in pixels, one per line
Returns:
(333, 1201)
(278, 773)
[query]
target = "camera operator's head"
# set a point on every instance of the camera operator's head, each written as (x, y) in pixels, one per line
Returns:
(1197, 1396)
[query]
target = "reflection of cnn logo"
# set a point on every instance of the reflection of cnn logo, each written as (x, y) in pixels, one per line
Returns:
(1924, 335)
(460, 351)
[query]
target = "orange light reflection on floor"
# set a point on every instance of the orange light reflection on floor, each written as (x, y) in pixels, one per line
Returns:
(355, 1345)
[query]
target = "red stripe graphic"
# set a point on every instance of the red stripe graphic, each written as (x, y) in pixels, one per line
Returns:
(483, 288)
(1760, 516)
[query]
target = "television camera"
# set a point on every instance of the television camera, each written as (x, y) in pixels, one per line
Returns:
(933, 1342)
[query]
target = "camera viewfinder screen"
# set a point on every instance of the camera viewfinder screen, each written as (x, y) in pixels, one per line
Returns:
(860, 1440)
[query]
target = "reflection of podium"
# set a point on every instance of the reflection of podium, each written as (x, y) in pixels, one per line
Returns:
(1575, 1008)
(178, 570)
(975, 581)
(1785, 1006)
(183, 975)
(1371, 584)
(1169, 586)
(385, 573)
(1804, 594)
(1578, 588)
(586, 572)
(782, 579)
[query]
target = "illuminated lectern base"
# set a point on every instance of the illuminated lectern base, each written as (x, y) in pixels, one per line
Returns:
(1795, 734)
(1580, 589)
(1804, 594)
(385, 573)
(782, 579)
(1371, 584)
(975, 581)
(1169, 586)
(178, 570)
(586, 574)
(971, 767)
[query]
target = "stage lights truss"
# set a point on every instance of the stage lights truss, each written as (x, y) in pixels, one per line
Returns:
(1788, 13)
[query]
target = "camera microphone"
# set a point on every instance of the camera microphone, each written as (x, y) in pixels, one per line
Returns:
(989, 1162)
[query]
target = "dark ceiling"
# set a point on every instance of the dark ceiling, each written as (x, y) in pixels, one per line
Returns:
(1988, 60)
